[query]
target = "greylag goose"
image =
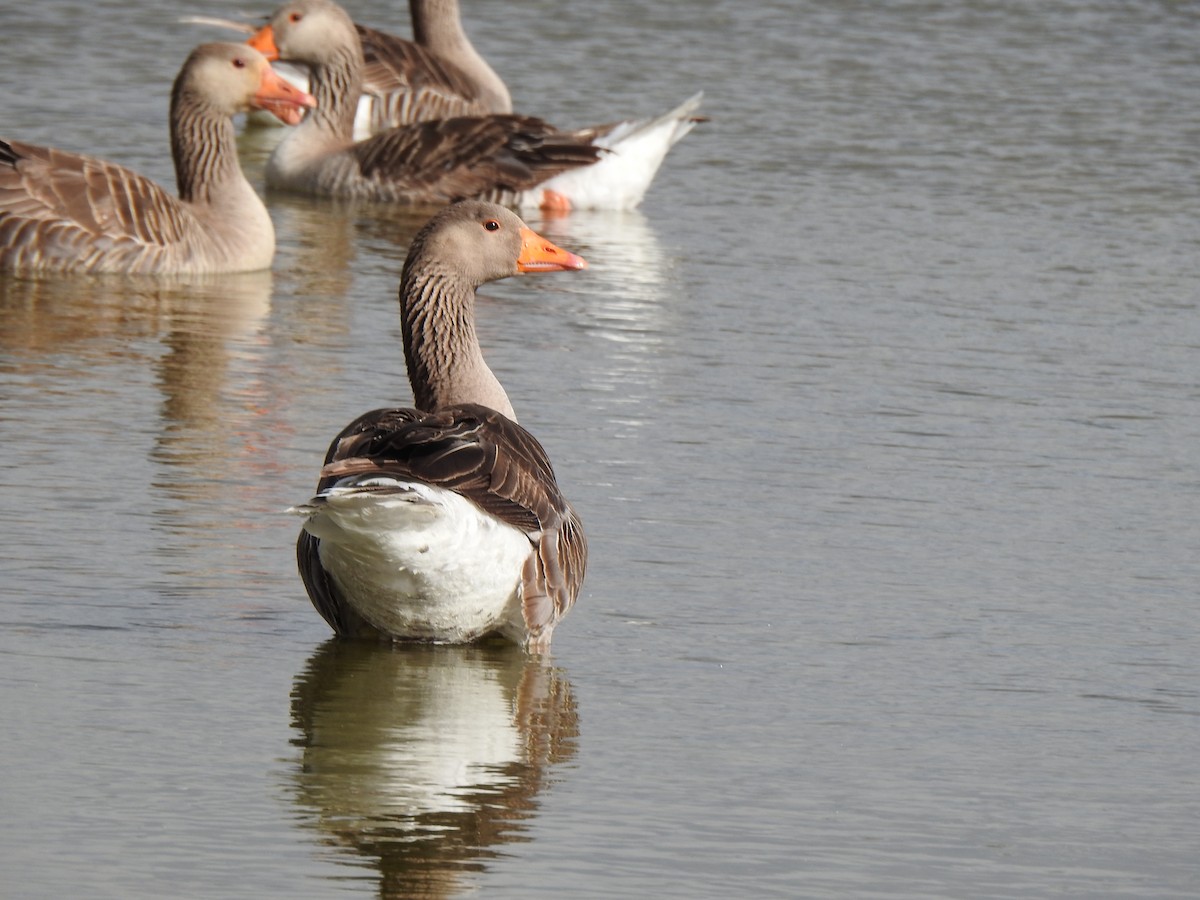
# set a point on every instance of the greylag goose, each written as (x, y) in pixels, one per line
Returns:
(445, 522)
(437, 75)
(516, 160)
(63, 212)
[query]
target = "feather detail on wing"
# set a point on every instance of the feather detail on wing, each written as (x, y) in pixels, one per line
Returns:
(410, 84)
(468, 156)
(491, 461)
(70, 205)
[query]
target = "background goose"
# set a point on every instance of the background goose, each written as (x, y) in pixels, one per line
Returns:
(445, 522)
(438, 74)
(517, 160)
(64, 212)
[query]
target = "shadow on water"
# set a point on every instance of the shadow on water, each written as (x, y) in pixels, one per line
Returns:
(424, 761)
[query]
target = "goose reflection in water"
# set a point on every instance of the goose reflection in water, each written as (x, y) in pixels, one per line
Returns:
(425, 759)
(201, 334)
(634, 303)
(210, 375)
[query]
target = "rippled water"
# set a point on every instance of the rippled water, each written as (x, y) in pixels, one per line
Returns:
(881, 414)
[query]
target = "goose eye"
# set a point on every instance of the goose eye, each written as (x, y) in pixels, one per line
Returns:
(295, 17)
(239, 63)
(491, 225)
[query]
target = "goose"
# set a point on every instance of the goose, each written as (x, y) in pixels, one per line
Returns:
(438, 74)
(515, 160)
(64, 212)
(444, 522)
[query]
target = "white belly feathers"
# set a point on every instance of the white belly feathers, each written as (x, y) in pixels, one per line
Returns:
(420, 560)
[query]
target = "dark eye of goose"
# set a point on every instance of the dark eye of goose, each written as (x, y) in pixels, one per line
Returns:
(239, 63)
(296, 17)
(491, 225)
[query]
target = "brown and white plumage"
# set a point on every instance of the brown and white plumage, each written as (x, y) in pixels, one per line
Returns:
(65, 212)
(437, 75)
(433, 162)
(517, 160)
(445, 522)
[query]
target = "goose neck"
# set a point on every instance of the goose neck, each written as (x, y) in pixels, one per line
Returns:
(336, 84)
(437, 26)
(204, 149)
(441, 348)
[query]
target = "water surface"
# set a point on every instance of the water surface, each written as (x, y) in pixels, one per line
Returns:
(881, 415)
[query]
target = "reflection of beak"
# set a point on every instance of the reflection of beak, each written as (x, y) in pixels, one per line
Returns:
(263, 41)
(281, 99)
(540, 255)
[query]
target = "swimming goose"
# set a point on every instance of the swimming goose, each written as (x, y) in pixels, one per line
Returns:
(63, 212)
(516, 160)
(445, 522)
(437, 75)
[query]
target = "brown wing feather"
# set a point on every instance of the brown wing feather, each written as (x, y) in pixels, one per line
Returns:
(488, 459)
(410, 84)
(75, 208)
(453, 159)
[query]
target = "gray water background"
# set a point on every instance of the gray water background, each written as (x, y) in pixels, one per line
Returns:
(881, 414)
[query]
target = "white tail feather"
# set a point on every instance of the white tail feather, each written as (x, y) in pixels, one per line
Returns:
(635, 151)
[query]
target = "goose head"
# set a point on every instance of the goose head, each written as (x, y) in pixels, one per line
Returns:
(462, 247)
(307, 31)
(478, 242)
(235, 78)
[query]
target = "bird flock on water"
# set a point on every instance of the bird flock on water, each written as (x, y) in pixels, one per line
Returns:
(440, 522)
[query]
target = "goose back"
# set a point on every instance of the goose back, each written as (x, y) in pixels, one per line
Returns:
(481, 455)
(66, 212)
(515, 160)
(407, 82)
(442, 161)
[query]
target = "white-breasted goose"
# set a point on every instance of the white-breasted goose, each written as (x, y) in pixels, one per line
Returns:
(437, 75)
(515, 160)
(445, 522)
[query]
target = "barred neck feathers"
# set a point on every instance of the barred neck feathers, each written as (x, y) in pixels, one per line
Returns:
(445, 362)
(337, 84)
(203, 146)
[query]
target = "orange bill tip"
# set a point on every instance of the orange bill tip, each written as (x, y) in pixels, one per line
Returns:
(541, 255)
(263, 41)
(282, 99)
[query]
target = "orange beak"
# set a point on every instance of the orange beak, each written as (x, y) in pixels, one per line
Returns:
(263, 41)
(540, 255)
(286, 102)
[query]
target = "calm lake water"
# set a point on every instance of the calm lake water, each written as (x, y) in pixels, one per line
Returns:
(882, 413)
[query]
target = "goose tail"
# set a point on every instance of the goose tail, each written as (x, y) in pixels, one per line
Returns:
(634, 151)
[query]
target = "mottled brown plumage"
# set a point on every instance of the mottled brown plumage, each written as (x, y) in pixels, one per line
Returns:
(406, 83)
(496, 157)
(437, 75)
(65, 212)
(483, 456)
(456, 159)
(456, 442)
